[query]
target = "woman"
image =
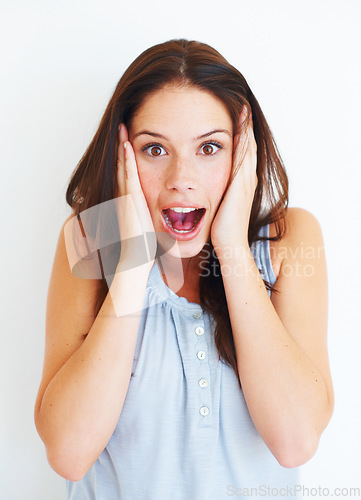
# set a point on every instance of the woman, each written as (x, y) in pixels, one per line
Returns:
(196, 366)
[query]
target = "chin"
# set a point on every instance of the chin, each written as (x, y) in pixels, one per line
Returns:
(180, 249)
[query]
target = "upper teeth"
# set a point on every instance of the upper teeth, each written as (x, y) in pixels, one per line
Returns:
(183, 210)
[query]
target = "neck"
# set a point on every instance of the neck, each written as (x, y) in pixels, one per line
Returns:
(182, 275)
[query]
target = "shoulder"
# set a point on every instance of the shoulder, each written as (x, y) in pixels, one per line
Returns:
(70, 310)
(75, 278)
(303, 231)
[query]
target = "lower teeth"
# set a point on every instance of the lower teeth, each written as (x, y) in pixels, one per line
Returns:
(179, 230)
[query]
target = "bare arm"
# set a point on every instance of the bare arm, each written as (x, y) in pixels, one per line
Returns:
(89, 355)
(85, 377)
(281, 344)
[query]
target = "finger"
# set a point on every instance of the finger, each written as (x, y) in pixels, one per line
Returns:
(252, 144)
(241, 142)
(238, 155)
(132, 182)
(134, 189)
(241, 137)
(245, 139)
(123, 136)
(248, 124)
(240, 146)
(243, 116)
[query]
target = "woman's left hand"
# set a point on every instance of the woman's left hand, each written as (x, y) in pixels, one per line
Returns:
(231, 222)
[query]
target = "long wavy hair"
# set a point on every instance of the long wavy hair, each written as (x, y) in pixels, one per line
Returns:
(189, 63)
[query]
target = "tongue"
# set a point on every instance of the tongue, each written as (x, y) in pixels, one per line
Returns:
(182, 222)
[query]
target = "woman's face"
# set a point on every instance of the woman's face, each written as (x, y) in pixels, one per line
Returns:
(183, 143)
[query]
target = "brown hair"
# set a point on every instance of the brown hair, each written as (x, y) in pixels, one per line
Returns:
(186, 62)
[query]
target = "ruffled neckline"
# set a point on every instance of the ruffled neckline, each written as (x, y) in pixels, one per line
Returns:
(165, 294)
(157, 285)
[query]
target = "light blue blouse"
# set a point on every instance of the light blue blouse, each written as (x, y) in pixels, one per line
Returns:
(185, 431)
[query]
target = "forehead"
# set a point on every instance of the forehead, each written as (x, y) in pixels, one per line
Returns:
(177, 107)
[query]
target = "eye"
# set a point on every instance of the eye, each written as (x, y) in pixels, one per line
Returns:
(208, 147)
(155, 149)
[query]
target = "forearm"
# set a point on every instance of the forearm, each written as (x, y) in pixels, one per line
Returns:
(285, 393)
(83, 402)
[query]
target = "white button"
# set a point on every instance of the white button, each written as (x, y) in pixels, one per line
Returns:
(201, 354)
(203, 382)
(197, 315)
(204, 411)
(199, 330)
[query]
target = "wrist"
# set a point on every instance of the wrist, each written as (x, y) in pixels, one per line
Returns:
(237, 251)
(127, 287)
(238, 262)
(128, 266)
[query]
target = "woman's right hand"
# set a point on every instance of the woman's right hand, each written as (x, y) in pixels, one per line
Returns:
(133, 214)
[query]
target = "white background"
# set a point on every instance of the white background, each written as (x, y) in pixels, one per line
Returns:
(60, 63)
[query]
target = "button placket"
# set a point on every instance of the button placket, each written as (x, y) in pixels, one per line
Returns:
(202, 354)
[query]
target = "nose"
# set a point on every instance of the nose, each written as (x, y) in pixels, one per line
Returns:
(181, 175)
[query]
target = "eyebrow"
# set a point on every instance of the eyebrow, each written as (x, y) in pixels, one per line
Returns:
(154, 134)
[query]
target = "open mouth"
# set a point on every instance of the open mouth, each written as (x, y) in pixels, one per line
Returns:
(183, 220)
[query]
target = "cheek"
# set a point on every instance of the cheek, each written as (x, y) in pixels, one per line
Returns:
(149, 183)
(217, 182)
